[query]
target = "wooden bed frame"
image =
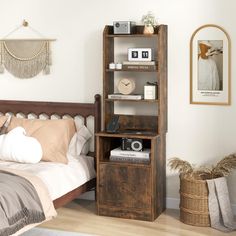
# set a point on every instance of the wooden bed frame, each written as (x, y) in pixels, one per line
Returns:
(60, 109)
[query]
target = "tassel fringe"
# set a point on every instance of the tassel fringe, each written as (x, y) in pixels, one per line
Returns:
(46, 70)
(1, 69)
(26, 68)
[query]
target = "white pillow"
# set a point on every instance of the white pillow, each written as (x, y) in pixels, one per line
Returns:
(79, 143)
(84, 135)
(16, 146)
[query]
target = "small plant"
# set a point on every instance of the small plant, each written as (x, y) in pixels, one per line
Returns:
(222, 168)
(149, 19)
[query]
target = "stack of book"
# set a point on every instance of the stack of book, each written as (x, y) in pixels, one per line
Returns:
(130, 156)
(127, 97)
(139, 65)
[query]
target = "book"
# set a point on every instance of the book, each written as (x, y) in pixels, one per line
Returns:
(139, 67)
(130, 159)
(128, 96)
(142, 63)
(134, 154)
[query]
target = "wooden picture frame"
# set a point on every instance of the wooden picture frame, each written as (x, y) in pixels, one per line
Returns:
(210, 70)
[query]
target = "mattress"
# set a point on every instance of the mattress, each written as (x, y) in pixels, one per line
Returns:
(59, 178)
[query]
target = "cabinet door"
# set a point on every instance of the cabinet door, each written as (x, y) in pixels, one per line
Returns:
(125, 186)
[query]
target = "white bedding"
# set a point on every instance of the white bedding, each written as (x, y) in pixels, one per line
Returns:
(59, 178)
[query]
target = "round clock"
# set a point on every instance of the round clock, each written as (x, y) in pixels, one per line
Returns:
(126, 86)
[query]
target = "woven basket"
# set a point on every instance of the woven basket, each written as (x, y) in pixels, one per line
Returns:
(194, 202)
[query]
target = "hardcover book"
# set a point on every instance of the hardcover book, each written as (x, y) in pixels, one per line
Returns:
(142, 63)
(130, 159)
(134, 154)
(122, 96)
(139, 67)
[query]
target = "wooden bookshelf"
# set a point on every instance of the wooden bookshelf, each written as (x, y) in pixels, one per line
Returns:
(128, 189)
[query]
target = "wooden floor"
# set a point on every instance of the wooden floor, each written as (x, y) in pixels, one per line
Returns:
(80, 216)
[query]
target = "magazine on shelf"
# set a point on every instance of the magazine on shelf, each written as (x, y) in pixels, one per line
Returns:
(128, 97)
(134, 154)
(130, 159)
(139, 67)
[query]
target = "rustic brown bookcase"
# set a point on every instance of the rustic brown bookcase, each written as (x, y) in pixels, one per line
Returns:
(129, 189)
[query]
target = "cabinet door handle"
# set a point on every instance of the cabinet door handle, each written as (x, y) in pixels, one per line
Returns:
(100, 185)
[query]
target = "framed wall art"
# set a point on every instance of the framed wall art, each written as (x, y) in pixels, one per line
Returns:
(210, 66)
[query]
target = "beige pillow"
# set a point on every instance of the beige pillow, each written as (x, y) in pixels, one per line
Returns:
(2, 120)
(53, 135)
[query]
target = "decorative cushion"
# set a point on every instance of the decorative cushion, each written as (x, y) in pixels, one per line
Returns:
(84, 134)
(4, 126)
(16, 146)
(80, 142)
(53, 135)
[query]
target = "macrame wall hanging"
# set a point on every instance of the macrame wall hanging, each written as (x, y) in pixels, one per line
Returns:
(25, 58)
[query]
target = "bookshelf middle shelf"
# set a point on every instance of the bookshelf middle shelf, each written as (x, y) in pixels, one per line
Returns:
(132, 70)
(132, 100)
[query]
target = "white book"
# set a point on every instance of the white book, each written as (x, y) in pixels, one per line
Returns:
(122, 96)
(130, 159)
(142, 63)
(123, 153)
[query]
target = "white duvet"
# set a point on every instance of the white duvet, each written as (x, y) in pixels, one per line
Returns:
(59, 178)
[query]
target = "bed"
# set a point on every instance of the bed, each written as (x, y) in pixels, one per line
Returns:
(61, 190)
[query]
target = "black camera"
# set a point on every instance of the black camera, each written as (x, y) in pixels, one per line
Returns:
(132, 144)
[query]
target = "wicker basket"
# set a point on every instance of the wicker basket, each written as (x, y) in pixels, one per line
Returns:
(194, 202)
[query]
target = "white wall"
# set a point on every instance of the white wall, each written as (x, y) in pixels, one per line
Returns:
(197, 133)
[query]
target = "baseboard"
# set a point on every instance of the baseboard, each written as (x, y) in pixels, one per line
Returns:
(173, 203)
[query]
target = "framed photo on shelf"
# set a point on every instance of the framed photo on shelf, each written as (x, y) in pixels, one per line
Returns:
(210, 66)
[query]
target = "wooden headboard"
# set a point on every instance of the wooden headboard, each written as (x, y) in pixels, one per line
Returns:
(55, 108)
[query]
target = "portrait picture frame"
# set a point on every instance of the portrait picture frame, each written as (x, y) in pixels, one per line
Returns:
(210, 66)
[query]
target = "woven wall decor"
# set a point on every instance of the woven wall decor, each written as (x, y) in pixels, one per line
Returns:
(25, 58)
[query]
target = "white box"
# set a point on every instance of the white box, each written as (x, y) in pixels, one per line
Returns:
(150, 91)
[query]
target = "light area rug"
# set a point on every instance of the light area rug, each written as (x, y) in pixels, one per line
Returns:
(50, 232)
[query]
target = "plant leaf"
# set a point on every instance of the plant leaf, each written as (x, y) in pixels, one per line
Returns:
(183, 167)
(224, 166)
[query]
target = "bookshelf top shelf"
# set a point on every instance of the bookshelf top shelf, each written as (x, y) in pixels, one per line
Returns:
(138, 32)
(131, 35)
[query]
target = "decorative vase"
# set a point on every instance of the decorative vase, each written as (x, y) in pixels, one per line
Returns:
(148, 29)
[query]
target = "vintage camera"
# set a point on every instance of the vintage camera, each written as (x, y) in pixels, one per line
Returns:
(123, 27)
(132, 144)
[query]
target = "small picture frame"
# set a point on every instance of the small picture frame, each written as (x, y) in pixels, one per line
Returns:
(150, 92)
(139, 54)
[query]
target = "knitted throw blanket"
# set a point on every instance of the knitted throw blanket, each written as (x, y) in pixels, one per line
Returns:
(19, 203)
(221, 215)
